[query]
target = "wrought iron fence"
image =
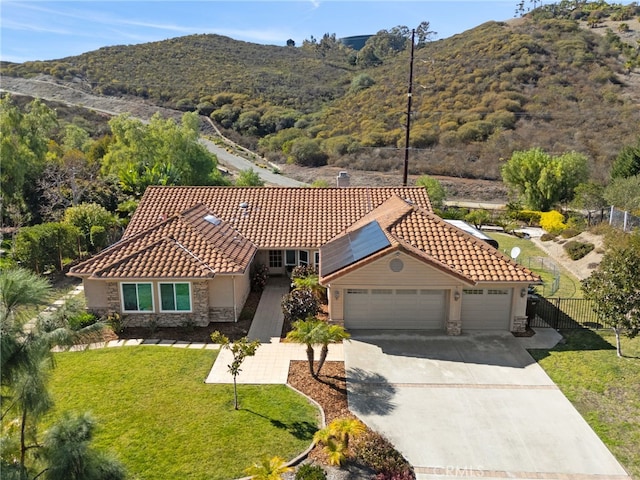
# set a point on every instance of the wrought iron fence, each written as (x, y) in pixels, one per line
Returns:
(567, 313)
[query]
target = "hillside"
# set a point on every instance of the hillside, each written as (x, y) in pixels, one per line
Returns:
(554, 79)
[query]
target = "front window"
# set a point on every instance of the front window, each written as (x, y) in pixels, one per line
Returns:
(275, 258)
(290, 258)
(304, 257)
(175, 297)
(137, 297)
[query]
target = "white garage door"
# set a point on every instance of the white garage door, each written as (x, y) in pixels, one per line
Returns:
(486, 308)
(394, 309)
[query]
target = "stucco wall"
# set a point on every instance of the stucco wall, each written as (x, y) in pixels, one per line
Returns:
(95, 293)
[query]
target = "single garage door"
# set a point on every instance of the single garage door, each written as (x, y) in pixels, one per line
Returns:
(394, 309)
(486, 308)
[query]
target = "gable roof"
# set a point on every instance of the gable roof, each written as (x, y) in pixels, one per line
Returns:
(274, 217)
(191, 244)
(427, 237)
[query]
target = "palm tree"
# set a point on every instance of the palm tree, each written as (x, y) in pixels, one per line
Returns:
(268, 469)
(25, 361)
(335, 438)
(311, 282)
(329, 334)
(307, 332)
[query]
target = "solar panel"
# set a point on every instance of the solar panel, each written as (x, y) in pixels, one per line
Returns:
(352, 247)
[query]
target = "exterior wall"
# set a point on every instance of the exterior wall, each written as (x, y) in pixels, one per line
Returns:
(242, 289)
(413, 274)
(95, 294)
(519, 308)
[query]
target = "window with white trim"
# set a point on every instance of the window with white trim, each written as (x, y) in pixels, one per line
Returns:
(290, 258)
(303, 257)
(275, 258)
(316, 259)
(137, 297)
(175, 297)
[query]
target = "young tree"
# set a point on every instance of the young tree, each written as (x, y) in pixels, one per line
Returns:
(627, 163)
(624, 193)
(478, 217)
(615, 288)
(240, 349)
(329, 334)
(436, 191)
(307, 332)
(249, 178)
(46, 245)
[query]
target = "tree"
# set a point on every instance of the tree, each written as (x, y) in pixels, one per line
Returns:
(326, 335)
(543, 180)
(268, 469)
(240, 349)
(627, 163)
(436, 191)
(249, 178)
(86, 217)
(589, 196)
(614, 288)
(307, 332)
(67, 450)
(336, 436)
(478, 217)
(24, 136)
(310, 282)
(46, 245)
(307, 152)
(26, 360)
(159, 153)
(624, 193)
(299, 304)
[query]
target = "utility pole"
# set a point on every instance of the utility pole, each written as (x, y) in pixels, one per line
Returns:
(409, 95)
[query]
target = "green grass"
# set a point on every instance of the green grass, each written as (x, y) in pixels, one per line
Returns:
(605, 389)
(570, 287)
(159, 418)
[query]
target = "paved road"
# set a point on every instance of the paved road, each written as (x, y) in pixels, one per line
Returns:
(476, 405)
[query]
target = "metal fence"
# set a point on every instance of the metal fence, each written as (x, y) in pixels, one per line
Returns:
(623, 220)
(564, 313)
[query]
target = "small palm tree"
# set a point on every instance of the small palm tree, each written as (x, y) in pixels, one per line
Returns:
(329, 334)
(307, 332)
(335, 438)
(312, 283)
(268, 469)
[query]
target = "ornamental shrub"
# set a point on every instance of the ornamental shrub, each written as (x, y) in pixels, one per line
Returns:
(577, 250)
(376, 452)
(531, 217)
(259, 277)
(569, 233)
(310, 472)
(552, 222)
(547, 237)
(303, 271)
(299, 304)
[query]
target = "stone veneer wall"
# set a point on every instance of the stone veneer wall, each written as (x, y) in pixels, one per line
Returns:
(454, 327)
(519, 324)
(200, 315)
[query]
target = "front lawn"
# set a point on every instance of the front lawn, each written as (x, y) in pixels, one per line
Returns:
(159, 418)
(605, 389)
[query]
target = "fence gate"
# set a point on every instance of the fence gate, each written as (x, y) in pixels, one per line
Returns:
(565, 313)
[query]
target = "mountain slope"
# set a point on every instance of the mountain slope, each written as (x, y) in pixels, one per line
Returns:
(478, 96)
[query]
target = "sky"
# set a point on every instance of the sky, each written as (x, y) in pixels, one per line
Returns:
(44, 30)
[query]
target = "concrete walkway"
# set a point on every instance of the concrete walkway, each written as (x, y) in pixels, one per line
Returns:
(268, 320)
(54, 306)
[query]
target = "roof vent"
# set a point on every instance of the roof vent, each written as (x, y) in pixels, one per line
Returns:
(213, 219)
(244, 205)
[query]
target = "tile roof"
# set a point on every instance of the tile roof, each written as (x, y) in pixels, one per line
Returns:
(426, 236)
(185, 245)
(275, 217)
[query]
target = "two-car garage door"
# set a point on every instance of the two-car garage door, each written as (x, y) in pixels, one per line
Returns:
(394, 309)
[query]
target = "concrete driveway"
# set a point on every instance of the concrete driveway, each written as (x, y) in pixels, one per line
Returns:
(471, 406)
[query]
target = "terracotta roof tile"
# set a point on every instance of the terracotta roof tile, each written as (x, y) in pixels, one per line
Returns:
(426, 236)
(275, 217)
(183, 246)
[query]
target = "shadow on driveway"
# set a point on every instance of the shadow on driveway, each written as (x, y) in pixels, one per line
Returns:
(369, 393)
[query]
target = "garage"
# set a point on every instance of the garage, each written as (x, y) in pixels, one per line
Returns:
(388, 308)
(486, 308)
